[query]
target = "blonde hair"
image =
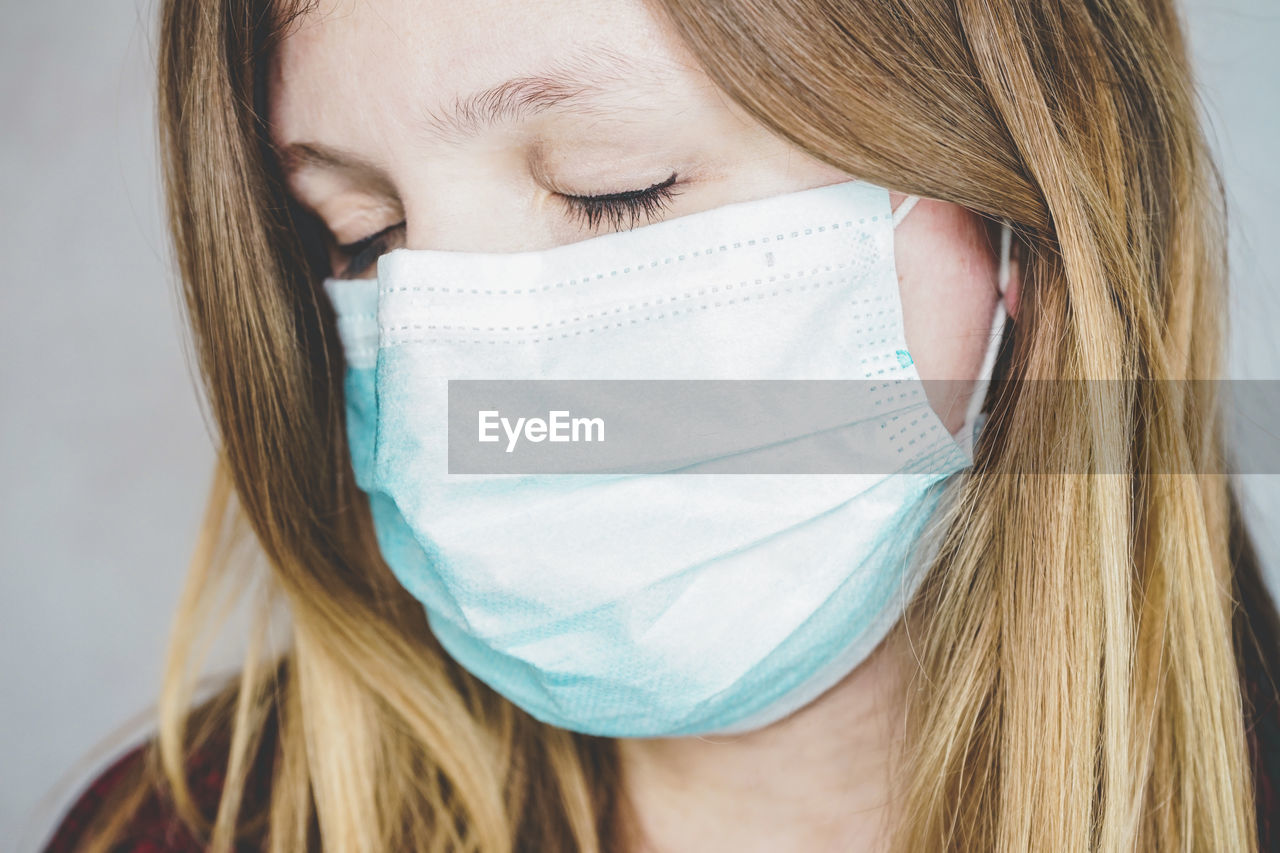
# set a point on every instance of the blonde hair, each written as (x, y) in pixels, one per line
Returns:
(1078, 685)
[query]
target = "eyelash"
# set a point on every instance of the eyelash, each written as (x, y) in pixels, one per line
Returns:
(623, 210)
(631, 206)
(363, 252)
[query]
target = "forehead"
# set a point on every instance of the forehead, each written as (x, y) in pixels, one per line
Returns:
(349, 70)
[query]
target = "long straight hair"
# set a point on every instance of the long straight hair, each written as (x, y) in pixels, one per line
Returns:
(1079, 661)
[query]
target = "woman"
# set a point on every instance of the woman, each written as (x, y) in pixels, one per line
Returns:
(1086, 659)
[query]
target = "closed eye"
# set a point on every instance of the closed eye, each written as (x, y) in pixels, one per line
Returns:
(620, 211)
(363, 253)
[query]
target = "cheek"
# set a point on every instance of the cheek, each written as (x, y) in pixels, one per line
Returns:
(947, 278)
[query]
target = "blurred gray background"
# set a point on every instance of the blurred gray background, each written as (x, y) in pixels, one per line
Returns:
(105, 458)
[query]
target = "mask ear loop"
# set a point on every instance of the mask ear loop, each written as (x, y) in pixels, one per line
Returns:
(973, 412)
(1006, 247)
(904, 208)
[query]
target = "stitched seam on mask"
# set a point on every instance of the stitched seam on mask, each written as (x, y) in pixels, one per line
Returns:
(352, 328)
(391, 331)
(696, 253)
(637, 321)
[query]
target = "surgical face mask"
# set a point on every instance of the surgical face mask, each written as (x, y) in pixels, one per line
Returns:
(636, 605)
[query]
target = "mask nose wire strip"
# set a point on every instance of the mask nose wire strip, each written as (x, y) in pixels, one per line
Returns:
(904, 208)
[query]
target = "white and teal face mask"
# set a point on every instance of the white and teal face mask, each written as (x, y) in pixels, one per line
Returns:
(637, 605)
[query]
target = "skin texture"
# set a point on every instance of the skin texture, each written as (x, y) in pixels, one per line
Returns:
(370, 80)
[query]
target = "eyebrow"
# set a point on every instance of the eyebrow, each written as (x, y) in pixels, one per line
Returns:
(519, 99)
(574, 85)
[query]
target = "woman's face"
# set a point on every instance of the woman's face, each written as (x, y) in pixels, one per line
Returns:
(478, 126)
